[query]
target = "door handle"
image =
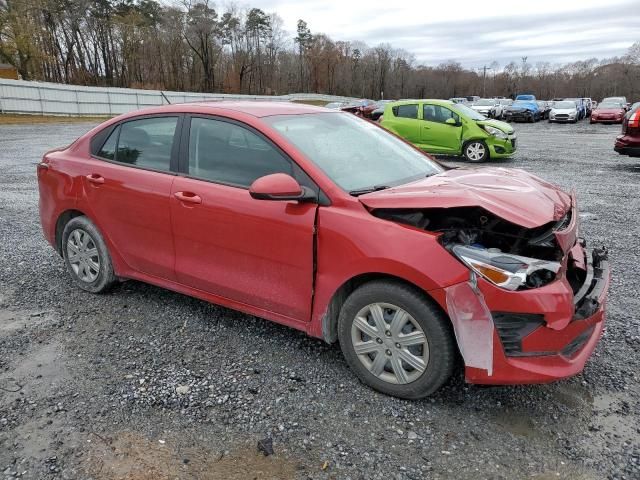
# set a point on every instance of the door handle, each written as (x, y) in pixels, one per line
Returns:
(188, 197)
(426, 127)
(96, 179)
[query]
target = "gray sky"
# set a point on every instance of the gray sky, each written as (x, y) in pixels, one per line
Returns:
(474, 32)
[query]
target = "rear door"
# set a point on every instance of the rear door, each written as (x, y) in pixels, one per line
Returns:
(127, 186)
(405, 122)
(437, 135)
(254, 252)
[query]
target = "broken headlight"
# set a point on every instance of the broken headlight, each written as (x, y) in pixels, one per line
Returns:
(506, 270)
(496, 132)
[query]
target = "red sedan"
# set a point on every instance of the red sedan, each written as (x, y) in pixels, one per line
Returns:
(628, 143)
(327, 223)
(608, 112)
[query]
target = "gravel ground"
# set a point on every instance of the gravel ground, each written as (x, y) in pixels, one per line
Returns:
(143, 383)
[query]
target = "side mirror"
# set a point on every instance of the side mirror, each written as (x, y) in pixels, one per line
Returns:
(279, 186)
(451, 121)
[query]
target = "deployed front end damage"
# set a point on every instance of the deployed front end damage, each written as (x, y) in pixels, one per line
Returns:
(532, 310)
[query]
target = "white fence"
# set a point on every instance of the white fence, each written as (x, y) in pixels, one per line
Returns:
(40, 98)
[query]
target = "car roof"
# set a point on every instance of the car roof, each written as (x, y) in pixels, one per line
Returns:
(262, 108)
(411, 102)
(253, 108)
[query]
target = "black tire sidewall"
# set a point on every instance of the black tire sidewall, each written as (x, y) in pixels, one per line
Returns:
(435, 325)
(105, 276)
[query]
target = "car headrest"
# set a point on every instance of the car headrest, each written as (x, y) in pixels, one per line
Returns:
(134, 137)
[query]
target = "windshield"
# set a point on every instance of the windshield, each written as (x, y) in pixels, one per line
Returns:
(559, 105)
(521, 103)
(485, 103)
(354, 153)
(468, 112)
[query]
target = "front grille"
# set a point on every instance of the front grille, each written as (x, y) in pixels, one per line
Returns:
(562, 115)
(513, 327)
(513, 142)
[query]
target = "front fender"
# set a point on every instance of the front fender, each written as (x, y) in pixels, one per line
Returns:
(352, 243)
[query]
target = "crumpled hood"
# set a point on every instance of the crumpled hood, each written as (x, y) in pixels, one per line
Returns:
(511, 194)
(522, 105)
(504, 126)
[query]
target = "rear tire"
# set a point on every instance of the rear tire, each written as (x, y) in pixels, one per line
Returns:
(475, 151)
(421, 335)
(86, 256)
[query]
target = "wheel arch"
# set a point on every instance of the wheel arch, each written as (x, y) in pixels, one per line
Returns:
(476, 138)
(330, 317)
(64, 218)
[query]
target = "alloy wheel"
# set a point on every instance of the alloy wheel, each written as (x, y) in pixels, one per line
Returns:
(83, 256)
(475, 151)
(390, 343)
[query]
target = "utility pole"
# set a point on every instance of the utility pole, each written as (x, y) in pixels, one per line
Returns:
(484, 79)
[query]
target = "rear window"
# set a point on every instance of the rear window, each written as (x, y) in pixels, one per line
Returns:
(146, 143)
(108, 150)
(406, 111)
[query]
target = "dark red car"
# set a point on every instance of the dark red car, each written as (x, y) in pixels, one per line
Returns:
(629, 142)
(361, 108)
(608, 112)
(327, 223)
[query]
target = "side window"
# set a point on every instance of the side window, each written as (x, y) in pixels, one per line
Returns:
(228, 153)
(405, 111)
(429, 113)
(438, 113)
(108, 150)
(147, 142)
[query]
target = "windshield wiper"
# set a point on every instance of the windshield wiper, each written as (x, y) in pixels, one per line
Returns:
(362, 191)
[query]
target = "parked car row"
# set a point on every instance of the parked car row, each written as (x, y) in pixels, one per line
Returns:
(470, 126)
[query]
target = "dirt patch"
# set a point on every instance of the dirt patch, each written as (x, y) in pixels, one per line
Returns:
(12, 320)
(130, 456)
(11, 119)
(317, 103)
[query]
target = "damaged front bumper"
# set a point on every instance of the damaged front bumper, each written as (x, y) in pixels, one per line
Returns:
(531, 336)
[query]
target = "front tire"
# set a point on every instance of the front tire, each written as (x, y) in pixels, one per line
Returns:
(475, 151)
(395, 340)
(86, 256)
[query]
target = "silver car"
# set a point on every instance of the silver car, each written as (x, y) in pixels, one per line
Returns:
(564, 111)
(489, 107)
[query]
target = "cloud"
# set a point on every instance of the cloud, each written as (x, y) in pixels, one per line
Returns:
(474, 33)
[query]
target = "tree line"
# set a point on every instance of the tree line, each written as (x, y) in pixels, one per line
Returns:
(193, 46)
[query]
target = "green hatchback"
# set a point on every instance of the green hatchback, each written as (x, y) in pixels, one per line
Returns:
(441, 126)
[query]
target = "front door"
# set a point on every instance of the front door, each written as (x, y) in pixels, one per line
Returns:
(256, 252)
(435, 134)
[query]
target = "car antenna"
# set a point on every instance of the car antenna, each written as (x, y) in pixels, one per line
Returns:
(165, 97)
